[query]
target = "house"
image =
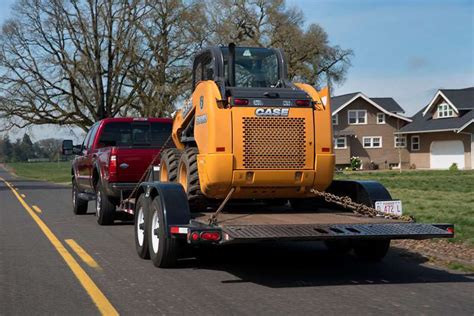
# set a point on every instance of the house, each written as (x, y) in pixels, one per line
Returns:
(365, 127)
(442, 132)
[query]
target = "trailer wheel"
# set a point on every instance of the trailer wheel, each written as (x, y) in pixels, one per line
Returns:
(79, 206)
(371, 250)
(105, 209)
(169, 165)
(188, 177)
(141, 240)
(163, 249)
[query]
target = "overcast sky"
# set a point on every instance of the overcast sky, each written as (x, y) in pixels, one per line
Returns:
(403, 49)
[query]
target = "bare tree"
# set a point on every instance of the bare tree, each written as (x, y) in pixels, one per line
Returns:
(68, 62)
(269, 23)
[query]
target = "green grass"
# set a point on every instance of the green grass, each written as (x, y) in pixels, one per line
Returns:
(47, 171)
(431, 196)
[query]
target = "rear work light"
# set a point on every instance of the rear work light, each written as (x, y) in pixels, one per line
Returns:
(238, 101)
(303, 102)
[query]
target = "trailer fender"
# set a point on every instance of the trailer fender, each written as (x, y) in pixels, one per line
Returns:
(173, 201)
(365, 192)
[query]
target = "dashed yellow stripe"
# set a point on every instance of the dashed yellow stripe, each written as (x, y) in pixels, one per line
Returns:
(36, 209)
(102, 303)
(83, 254)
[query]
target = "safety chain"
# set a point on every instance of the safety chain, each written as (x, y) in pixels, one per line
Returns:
(358, 208)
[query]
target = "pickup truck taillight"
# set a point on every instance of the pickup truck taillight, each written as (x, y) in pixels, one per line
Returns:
(113, 165)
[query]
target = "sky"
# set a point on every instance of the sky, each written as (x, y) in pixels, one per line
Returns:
(402, 49)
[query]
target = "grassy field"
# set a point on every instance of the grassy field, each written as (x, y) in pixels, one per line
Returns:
(48, 171)
(431, 196)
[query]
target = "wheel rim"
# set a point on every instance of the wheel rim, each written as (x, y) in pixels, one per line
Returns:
(155, 225)
(182, 177)
(98, 202)
(140, 226)
(164, 173)
(74, 195)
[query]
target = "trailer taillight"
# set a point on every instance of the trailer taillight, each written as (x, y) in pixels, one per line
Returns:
(195, 236)
(450, 230)
(211, 236)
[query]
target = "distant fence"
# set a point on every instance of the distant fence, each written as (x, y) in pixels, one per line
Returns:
(38, 160)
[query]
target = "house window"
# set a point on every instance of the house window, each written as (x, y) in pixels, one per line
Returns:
(357, 117)
(400, 141)
(372, 142)
(415, 143)
(340, 142)
(380, 118)
(335, 119)
(444, 110)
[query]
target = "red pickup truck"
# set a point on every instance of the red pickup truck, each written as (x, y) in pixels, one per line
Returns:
(111, 161)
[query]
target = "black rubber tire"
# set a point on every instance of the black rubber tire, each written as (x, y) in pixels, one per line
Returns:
(167, 253)
(105, 209)
(169, 161)
(276, 202)
(141, 217)
(79, 206)
(196, 199)
(338, 247)
(371, 250)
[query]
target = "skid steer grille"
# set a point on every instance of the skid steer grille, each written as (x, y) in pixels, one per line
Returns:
(274, 143)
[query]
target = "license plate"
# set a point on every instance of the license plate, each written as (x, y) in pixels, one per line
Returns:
(389, 207)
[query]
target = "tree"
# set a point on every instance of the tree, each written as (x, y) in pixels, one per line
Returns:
(69, 62)
(268, 23)
(49, 147)
(26, 148)
(6, 148)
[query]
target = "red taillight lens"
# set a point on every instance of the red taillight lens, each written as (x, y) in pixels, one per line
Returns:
(112, 167)
(303, 103)
(211, 236)
(450, 230)
(195, 236)
(238, 101)
(325, 149)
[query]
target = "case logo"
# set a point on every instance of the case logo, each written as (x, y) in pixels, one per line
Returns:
(272, 112)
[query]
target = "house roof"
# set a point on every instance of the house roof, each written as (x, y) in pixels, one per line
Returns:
(387, 105)
(462, 101)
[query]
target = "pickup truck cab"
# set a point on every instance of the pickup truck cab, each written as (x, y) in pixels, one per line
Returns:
(115, 154)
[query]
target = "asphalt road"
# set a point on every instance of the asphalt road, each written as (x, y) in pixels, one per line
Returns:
(41, 273)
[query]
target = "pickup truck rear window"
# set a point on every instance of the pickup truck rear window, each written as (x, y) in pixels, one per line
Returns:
(125, 134)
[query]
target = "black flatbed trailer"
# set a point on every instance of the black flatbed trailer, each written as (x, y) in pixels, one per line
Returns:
(164, 224)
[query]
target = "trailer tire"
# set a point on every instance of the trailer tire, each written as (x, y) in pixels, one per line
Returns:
(188, 177)
(163, 248)
(105, 209)
(140, 225)
(169, 161)
(79, 206)
(371, 250)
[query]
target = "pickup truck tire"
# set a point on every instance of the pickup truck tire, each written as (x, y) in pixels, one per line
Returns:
(169, 165)
(371, 250)
(79, 206)
(163, 249)
(105, 209)
(141, 228)
(188, 177)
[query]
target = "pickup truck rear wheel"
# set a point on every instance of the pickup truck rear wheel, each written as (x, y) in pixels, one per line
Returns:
(105, 209)
(169, 165)
(141, 231)
(163, 249)
(371, 250)
(188, 177)
(79, 206)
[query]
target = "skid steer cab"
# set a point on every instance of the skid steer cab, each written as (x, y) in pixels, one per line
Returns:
(251, 150)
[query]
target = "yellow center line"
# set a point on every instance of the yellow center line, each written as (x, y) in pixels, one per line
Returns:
(102, 303)
(36, 209)
(23, 196)
(83, 254)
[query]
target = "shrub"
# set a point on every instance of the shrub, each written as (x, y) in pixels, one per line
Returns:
(454, 167)
(355, 163)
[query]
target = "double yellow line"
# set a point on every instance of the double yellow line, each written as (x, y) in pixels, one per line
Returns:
(99, 299)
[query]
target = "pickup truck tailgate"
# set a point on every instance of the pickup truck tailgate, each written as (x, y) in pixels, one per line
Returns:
(133, 162)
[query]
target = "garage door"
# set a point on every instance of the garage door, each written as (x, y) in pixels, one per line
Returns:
(445, 153)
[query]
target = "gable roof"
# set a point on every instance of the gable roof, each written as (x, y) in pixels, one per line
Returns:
(425, 123)
(386, 105)
(458, 99)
